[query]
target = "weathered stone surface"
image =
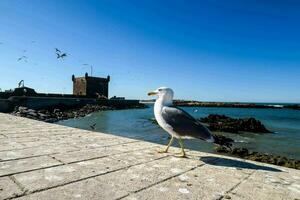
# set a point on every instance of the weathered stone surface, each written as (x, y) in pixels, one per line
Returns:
(10, 145)
(206, 182)
(60, 175)
(269, 185)
(35, 151)
(147, 174)
(16, 166)
(137, 157)
(86, 189)
(86, 154)
(72, 163)
(8, 188)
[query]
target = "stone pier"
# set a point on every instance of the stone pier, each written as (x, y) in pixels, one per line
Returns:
(47, 161)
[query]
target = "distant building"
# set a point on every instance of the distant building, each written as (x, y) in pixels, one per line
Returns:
(90, 86)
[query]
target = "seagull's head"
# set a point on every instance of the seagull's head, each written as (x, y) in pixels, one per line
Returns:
(164, 93)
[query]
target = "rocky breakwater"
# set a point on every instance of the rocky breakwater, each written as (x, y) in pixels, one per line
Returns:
(62, 113)
(222, 104)
(224, 123)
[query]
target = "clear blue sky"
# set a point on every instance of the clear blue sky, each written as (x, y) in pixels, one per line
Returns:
(204, 50)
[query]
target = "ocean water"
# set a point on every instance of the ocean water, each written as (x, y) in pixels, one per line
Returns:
(134, 123)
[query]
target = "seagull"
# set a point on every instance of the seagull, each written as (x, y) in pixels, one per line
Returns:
(93, 126)
(60, 54)
(57, 50)
(178, 123)
(22, 58)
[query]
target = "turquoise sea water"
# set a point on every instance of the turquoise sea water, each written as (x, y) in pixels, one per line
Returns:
(134, 123)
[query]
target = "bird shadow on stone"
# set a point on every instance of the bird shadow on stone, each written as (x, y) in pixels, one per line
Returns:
(226, 162)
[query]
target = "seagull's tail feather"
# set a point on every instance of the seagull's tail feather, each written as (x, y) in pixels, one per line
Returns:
(223, 141)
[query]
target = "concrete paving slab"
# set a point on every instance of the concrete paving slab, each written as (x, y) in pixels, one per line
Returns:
(86, 154)
(86, 189)
(269, 185)
(137, 157)
(205, 182)
(10, 145)
(17, 166)
(144, 175)
(35, 151)
(61, 175)
(8, 189)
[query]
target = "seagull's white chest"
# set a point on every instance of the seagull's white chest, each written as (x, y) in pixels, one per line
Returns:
(158, 109)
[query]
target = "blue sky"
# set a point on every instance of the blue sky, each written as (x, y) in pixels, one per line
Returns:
(205, 50)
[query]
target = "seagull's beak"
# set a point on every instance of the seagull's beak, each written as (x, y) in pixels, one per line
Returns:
(152, 93)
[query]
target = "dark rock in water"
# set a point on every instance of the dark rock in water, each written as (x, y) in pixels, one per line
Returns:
(227, 124)
(222, 149)
(240, 152)
(223, 141)
(260, 157)
(294, 106)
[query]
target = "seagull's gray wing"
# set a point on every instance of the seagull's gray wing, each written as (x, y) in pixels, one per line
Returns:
(184, 124)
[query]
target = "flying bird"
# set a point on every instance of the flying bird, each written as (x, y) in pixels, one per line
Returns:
(178, 123)
(57, 50)
(59, 54)
(22, 58)
(93, 126)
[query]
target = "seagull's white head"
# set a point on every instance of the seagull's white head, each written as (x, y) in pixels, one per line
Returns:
(164, 94)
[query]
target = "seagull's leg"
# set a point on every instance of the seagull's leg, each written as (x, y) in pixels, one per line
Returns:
(182, 153)
(169, 144)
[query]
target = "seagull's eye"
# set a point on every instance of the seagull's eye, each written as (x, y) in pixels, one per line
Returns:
(159, 89)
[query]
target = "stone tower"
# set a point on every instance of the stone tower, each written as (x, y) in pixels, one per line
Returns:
(90, 86)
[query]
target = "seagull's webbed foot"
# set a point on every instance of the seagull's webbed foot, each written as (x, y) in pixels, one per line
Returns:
(162, 151)
(181, 155)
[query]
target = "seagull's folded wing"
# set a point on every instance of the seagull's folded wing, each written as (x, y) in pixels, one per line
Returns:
(184, 124)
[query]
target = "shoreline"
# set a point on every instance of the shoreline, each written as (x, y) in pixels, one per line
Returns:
(55, 115)
(234, 105)
(191, 103)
